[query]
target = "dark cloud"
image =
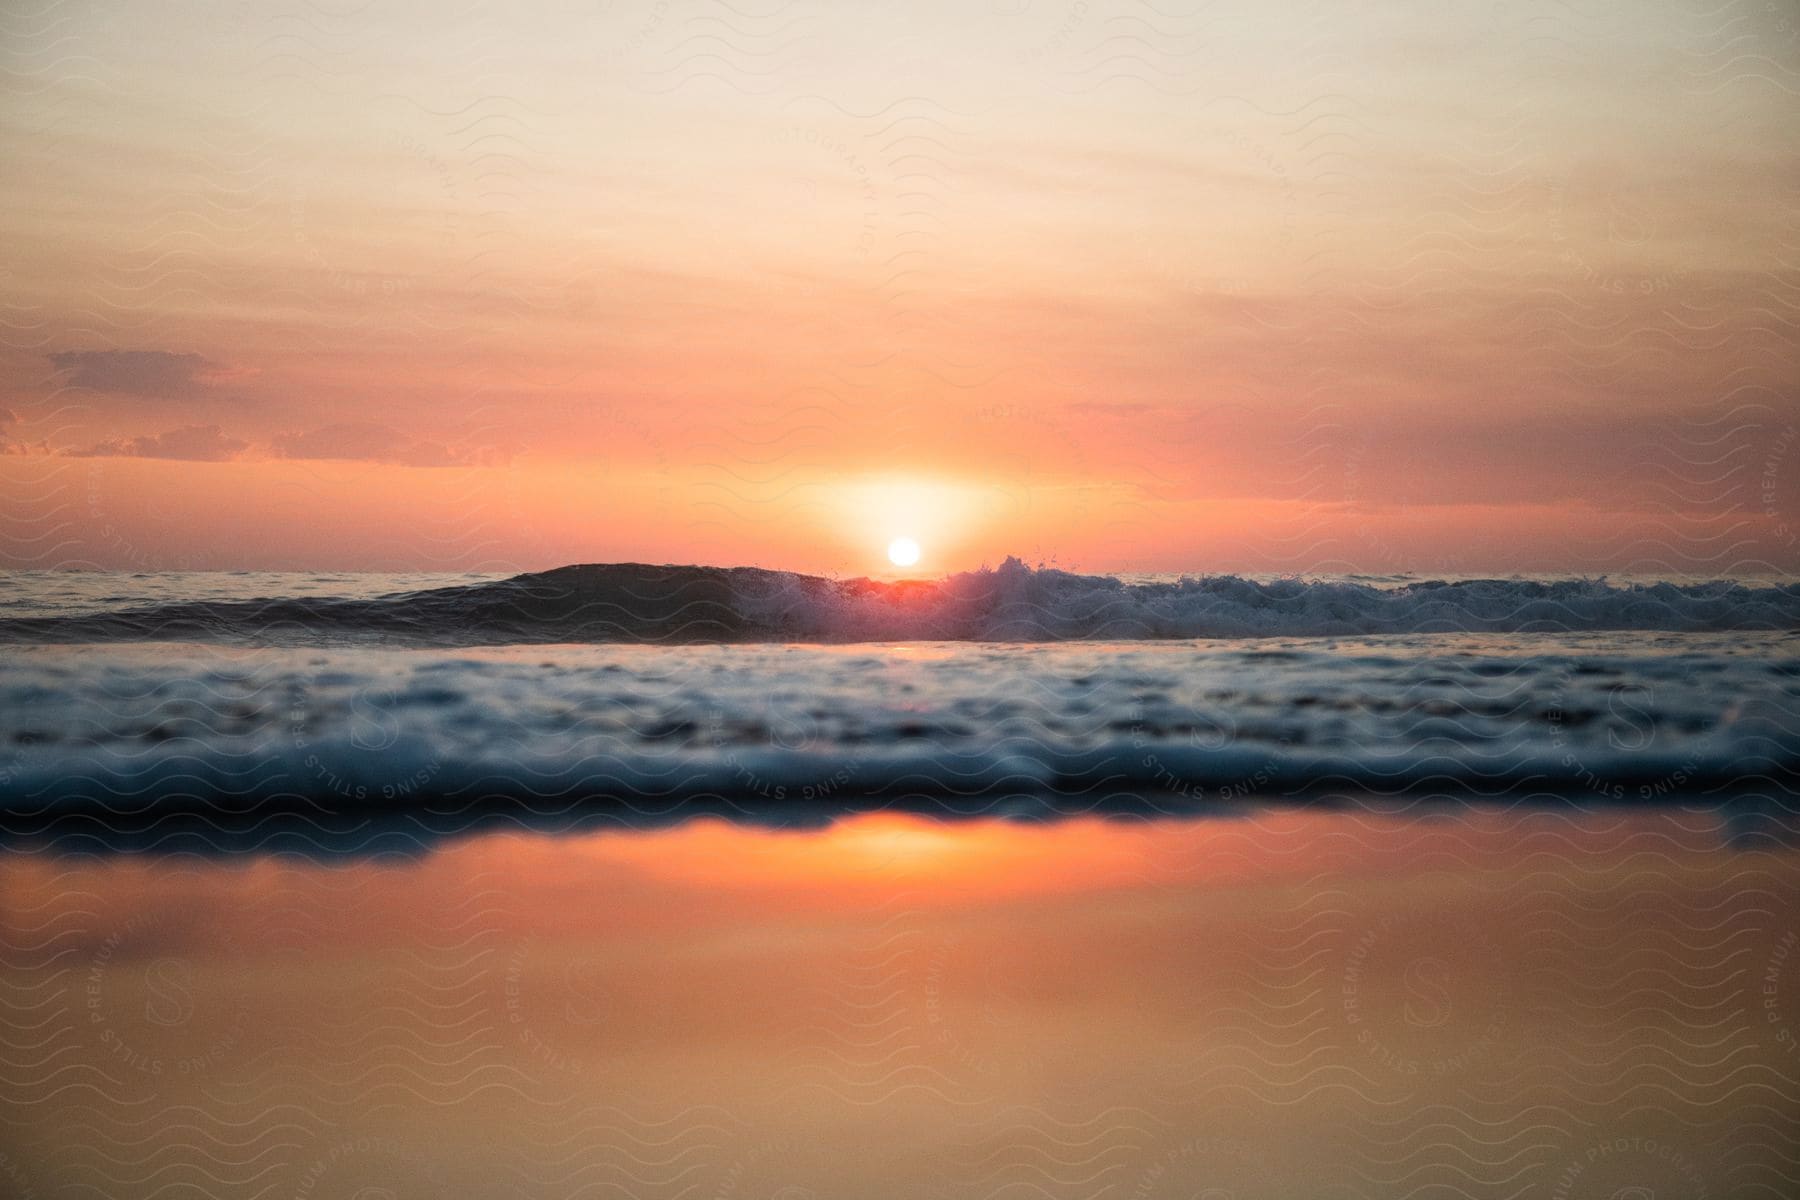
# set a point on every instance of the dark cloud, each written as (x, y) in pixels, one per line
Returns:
(364, 442)
(191, 443)
(157, 373)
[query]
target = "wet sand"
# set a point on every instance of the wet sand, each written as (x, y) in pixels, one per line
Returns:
(1290, 1003)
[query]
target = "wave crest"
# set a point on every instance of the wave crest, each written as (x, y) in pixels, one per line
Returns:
(633, 602)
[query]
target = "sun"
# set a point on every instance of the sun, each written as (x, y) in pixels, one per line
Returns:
(903, 552)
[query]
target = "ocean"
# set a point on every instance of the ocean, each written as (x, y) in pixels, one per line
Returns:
(642, 691)
(682, 882)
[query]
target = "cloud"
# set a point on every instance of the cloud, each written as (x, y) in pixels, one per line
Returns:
(8, 421)
(190, 443)
(156, 373)
(365, 442)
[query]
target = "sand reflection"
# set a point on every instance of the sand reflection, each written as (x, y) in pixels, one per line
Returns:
(900, 1006)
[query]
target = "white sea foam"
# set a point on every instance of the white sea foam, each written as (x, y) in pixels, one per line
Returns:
(133, 728)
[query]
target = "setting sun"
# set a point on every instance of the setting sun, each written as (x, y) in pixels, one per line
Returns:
(903, 552)
(447, 458)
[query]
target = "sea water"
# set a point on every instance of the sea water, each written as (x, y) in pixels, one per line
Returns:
(666, 883)
(403, 693)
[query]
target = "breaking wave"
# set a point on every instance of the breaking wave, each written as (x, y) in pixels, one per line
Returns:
(632, 602)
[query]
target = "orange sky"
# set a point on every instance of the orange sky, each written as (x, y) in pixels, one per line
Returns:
(1266, 287)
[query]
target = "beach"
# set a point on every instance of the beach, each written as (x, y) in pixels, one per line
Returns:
(343, 902)
(1502, 1001)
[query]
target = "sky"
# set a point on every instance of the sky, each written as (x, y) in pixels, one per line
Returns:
(1249, 286)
